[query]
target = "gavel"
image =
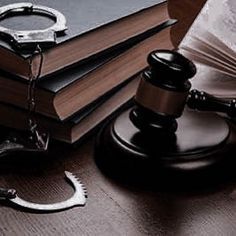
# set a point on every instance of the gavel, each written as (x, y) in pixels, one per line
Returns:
(163, 93)
(159, 132)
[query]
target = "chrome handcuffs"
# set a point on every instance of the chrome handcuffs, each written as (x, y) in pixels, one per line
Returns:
(30, 39)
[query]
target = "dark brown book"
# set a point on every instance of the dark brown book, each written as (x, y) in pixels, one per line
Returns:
(62, 96)
(79, 125)
(93, 26)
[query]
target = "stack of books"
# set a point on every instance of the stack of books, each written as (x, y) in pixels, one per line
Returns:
(93, 69)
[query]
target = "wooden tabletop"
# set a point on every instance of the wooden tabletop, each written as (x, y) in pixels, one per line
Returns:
(113, 208)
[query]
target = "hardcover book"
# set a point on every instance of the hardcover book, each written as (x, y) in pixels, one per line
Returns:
(81, 123)
(62, 95)
(93, 27)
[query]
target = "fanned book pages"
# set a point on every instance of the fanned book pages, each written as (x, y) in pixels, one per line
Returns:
(214, 82)
(212, 38)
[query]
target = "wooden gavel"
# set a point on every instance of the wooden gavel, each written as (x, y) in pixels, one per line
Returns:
(164, 90)
(158, 133)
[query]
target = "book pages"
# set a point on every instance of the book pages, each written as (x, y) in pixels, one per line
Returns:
(221, 18)
(212, 38)
(214, 82)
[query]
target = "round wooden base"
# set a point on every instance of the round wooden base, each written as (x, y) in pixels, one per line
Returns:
(199, 143)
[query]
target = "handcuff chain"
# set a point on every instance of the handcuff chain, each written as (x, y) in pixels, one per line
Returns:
(33, 79)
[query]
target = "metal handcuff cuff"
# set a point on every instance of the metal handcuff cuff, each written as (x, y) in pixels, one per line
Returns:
(31, 41)
(31, 38)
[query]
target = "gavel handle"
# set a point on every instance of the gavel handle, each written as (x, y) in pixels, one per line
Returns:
(203, 101)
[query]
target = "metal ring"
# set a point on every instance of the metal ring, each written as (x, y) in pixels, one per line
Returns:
(29, 38)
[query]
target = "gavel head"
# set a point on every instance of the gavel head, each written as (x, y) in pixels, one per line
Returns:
(162, 92)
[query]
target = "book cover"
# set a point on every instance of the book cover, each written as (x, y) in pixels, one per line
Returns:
(80, 124)
(70, 93)
(92, 27)
(59, 81)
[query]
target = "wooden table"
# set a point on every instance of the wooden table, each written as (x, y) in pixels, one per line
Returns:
(112, 208)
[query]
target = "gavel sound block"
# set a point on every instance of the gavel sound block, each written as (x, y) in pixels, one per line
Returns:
(158, 133)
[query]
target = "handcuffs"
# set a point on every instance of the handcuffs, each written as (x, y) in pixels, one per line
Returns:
(35, 141)
(28, 39)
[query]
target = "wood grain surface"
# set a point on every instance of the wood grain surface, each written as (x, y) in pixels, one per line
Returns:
(113, 208)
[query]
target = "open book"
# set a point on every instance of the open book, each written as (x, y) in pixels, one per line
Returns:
(212, 41)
